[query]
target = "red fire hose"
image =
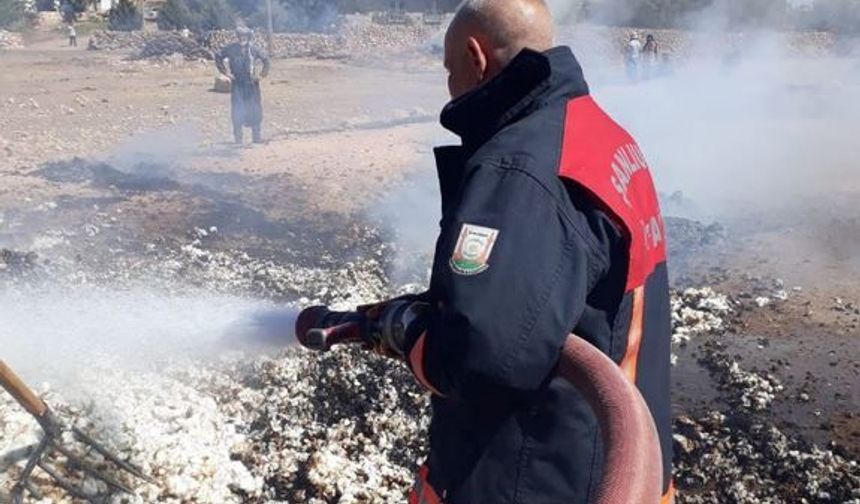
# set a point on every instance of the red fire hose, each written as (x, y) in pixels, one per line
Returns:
(633, 465)
(633, 468)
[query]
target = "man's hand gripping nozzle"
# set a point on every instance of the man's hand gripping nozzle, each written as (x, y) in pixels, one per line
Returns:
(51, 450)
(385, 328)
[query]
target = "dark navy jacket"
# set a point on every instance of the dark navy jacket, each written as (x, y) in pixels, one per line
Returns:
(529, 251)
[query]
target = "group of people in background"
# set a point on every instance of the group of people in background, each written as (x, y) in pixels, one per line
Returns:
(644, 61)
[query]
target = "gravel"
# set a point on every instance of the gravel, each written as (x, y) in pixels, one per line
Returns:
(744, 460)
(10, 40)
(173, 43)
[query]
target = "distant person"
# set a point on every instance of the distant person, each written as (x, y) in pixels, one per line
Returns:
(632, 57)
(246, 98)
(185, 32)
(650, 56)
(73, 36)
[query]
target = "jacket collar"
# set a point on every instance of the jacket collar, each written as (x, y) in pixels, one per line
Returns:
(529, 82)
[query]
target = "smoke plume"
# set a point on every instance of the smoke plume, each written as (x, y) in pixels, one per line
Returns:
(743, 123)
(55, 333)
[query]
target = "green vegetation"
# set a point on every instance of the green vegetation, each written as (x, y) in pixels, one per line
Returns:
(197, 15)
(834, 15)
(12, 13)
(71, 9)
(125, 16)
(289, 15)
(840, 16)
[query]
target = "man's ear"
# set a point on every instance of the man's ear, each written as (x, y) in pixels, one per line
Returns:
(478, 58)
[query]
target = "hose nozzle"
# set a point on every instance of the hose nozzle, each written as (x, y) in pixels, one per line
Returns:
(318, 328)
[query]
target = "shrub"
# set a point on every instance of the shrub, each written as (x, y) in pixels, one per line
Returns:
(289, 15)
(125, 16)
(12, 13)
(71, 9)
(840, 16)
(197, 15)
(686, 13)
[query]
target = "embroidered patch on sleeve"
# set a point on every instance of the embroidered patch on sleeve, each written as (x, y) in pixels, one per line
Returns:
(474, 246)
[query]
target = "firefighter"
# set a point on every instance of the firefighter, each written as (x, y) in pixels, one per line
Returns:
(550, 226)
(245, 96)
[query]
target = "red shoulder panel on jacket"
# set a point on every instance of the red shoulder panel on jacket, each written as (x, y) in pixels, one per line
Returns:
(602, 157)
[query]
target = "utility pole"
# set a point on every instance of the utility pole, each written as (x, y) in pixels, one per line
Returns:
(270, 39)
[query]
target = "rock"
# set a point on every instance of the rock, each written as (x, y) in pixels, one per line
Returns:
(149, 45)
(354, 36)
(10, 40)
(171, 44)
(223, 84)
(16, 262)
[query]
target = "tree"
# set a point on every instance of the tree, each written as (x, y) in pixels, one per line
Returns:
(647, 13)
(752, 13)
(730, 14)
(246, 8)
(12, 12)
(174, 15)
(125, 16)
(197, 15)
(71, 9)
(289, 15)
(840, 16)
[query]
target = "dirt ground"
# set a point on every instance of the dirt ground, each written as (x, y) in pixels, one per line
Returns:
(341, 138)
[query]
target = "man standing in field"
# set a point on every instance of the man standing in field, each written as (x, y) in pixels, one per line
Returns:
(244, 73)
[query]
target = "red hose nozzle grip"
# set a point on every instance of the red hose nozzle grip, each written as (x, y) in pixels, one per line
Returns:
(309, 319)
(319, 328)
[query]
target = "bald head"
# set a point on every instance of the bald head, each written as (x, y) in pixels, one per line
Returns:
(485, 35)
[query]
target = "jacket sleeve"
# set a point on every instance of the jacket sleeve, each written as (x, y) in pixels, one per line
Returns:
(499, 322)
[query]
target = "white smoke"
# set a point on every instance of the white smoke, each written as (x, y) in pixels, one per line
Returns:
(762, 130)
(55, 333)
(165, 149)
(743, 124)
(565, 12)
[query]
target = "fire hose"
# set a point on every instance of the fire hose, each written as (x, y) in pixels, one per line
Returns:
(633, 469)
